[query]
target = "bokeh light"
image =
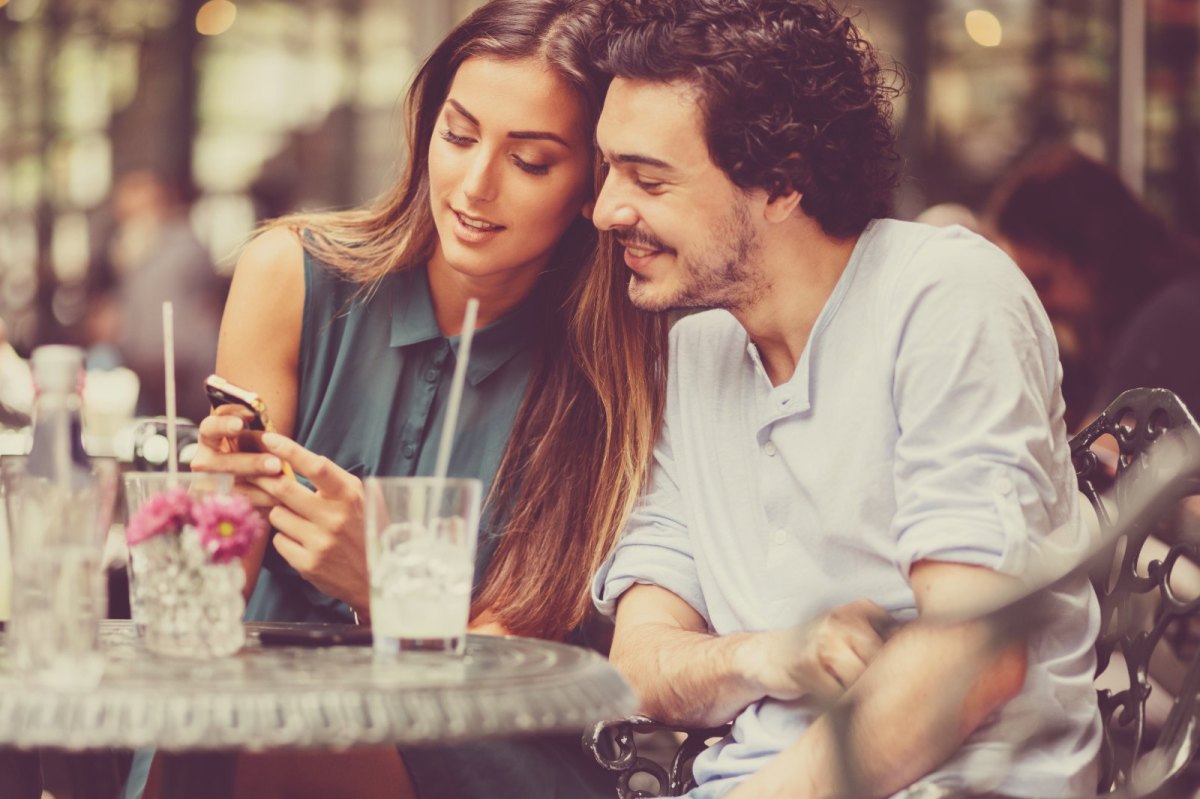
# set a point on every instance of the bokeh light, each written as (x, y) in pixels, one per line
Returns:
(215, 17)
(984, 28)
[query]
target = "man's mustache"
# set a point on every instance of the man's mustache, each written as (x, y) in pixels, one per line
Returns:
(643, 241)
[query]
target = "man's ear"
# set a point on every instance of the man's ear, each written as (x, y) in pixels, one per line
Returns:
(781, 207)
(588, 208)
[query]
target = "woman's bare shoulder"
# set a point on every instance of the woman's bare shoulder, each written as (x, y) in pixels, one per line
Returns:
(260, 331)
(275, 253)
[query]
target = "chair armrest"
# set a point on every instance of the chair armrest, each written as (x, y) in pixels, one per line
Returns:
(614, 747)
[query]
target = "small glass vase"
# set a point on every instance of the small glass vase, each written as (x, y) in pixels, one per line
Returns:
(191, 607)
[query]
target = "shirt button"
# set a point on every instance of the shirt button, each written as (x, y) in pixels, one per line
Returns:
(431, 375)
(410, 450)
(770, 449)
(1003, 485)
(780, 537)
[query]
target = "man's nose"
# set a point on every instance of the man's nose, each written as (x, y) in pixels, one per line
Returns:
(613, 210)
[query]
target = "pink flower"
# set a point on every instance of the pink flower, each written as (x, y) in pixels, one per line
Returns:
(227, 526)
(167, 512)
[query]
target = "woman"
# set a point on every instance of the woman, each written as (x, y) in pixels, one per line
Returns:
(344, 324)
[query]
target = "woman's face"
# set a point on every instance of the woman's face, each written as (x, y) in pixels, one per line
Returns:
(510, 168)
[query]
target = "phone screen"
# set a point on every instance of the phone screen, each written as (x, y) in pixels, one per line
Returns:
(222, 392)
(327, 636)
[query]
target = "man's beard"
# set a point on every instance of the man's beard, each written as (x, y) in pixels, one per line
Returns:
(725, 276)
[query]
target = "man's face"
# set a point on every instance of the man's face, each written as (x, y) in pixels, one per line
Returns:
(690, 235)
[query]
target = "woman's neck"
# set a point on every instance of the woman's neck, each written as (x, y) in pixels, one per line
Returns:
(497, 293)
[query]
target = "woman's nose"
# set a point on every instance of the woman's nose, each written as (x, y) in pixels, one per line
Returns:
(480, 181)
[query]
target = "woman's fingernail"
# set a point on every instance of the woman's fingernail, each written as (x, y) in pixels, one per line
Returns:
(235, 425)
(272, 440)
(272, 464)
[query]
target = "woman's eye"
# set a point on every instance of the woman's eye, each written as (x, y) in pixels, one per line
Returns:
(533, 169)
(455, 139)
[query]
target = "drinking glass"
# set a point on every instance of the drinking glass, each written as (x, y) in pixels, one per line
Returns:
(182, 602)
(421, 534)
(58, 594)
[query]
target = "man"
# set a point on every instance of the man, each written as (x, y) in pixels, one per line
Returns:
(868, 428)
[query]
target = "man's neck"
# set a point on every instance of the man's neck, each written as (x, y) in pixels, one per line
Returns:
(801, 266)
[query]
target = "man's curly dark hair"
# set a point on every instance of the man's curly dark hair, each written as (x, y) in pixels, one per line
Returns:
(792, 94)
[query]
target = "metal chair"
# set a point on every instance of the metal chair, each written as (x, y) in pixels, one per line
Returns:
(614, 746)
(1136, 420)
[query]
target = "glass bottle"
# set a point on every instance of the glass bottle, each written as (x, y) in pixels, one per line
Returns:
(57, 452)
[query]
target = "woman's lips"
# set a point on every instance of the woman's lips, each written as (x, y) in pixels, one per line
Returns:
(473, 229)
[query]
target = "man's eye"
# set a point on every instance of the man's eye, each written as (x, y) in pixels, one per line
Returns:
(455, 139)
(649, 186)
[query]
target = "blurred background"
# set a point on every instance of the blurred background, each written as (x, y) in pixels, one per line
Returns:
(141, 140)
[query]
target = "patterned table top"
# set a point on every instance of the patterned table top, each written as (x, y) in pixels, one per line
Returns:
(331, 697)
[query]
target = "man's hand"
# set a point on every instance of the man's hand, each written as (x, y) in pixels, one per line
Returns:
(820, 659)
(683, 674)
(936, 680)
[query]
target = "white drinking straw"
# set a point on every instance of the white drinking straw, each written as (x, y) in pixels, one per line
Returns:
(456, 389)
(169, 368)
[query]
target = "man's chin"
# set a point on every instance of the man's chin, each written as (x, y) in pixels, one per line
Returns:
(644, 297)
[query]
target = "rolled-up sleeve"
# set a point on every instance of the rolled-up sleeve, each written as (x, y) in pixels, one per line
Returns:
(978, 473)
(655, 548)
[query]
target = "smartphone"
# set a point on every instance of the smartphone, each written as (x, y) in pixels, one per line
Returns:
(333, 635)
(221, 392)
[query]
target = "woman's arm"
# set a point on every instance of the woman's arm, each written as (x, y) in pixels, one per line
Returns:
(258, 349)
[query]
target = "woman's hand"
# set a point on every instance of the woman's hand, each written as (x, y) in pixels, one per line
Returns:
(486, 623)
(219, 451)
(322, 531)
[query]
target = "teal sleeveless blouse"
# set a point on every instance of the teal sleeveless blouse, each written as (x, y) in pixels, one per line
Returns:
(374, 379)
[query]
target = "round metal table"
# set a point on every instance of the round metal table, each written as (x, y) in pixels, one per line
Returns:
(269, 697)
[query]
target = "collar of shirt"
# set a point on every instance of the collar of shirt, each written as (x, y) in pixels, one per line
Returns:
(414, 321)
(795, 395)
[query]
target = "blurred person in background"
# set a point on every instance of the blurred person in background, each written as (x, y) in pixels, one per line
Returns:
(16, 384)
(1121, 287)
(346, 324)
(155, 257)
(948, 214)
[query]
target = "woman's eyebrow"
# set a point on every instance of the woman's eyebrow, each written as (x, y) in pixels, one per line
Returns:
(539, 135)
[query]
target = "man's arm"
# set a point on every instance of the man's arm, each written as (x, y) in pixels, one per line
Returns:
(685, 675)
(930, 688)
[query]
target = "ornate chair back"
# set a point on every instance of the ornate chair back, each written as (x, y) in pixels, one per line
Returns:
(1130, 578)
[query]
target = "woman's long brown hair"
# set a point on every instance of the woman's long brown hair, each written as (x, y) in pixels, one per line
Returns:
(584, 434)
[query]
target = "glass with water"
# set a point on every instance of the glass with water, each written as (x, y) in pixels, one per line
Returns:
(421, 534)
